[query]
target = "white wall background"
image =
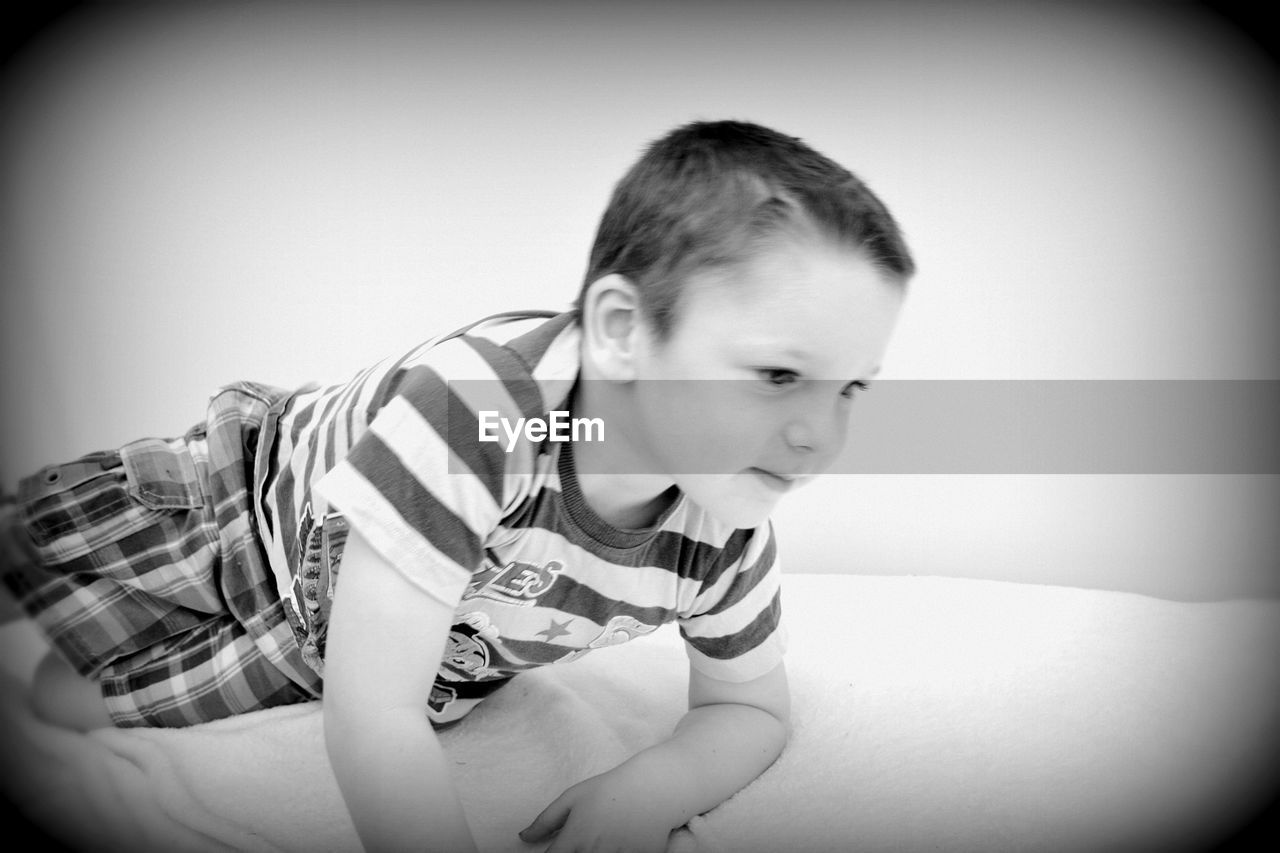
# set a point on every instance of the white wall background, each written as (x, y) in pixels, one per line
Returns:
(285, 192)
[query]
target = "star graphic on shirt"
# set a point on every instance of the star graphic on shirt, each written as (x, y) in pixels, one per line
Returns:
(556, 629)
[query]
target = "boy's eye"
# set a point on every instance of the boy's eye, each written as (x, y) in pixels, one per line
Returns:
(777, 377)
(853, 388)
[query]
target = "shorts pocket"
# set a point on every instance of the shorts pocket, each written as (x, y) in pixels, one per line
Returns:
(60, 499)
(161, 475)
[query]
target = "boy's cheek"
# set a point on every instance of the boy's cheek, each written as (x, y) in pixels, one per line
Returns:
(829, 455)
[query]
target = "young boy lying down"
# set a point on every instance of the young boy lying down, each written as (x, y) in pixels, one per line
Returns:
(511, 495)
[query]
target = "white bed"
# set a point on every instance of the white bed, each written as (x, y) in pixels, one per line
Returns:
(929, 714)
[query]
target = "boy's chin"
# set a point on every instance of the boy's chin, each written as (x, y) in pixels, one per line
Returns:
(744, 520)
(739, 513)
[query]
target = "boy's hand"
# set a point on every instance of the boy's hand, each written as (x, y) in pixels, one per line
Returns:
(617, 810)
(732, 732)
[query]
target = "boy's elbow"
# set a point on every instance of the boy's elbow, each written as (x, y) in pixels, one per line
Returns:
(773, 696)
(769, 693)
(780, 705)
(777, 708)
(775, 702)
(784, 723)
(782, 728)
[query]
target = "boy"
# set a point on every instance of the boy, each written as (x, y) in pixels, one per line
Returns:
(385, 536)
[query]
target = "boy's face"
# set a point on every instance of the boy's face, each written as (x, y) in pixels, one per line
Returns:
(768, 353)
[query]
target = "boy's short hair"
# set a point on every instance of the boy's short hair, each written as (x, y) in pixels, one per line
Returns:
(709, 194)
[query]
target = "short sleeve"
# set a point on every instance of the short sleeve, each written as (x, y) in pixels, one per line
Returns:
(418, 484)
(734, 630)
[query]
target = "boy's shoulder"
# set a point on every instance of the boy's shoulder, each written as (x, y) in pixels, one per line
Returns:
(503, 371)
(533, 336)
(536, 344)
(534, 355)
(528, 360)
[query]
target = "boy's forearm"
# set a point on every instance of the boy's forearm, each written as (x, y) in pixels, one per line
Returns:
(715, 751)
(395, 780)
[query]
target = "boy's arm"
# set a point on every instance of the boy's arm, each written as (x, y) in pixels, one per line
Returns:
(730, 735)
(385, 641)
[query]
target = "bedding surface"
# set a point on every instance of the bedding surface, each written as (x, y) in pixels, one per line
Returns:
(929, 714)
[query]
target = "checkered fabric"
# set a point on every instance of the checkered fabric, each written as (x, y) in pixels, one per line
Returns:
(144, 570)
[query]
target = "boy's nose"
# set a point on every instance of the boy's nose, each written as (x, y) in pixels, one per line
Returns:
(814, 432)
(799, 436)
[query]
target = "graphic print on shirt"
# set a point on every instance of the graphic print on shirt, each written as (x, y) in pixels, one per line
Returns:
(515, 582)
(308, 566)
(555, 628)
(442, 696)
(523, 584)
(467, 650)
(620, 629)
(321, 545)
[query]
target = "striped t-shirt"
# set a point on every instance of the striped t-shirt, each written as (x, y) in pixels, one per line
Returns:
(501, 534)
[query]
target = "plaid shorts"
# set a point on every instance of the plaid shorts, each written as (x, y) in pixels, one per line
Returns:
(144, 569)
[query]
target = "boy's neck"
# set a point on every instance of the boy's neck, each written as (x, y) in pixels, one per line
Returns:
(612, 500)
(607, 471)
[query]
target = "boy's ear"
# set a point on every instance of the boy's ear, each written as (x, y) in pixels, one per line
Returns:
(611, 327)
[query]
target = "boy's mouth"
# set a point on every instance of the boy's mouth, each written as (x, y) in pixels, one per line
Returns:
(776, 482)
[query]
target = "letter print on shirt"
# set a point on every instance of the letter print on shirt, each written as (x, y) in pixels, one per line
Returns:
(515, 582)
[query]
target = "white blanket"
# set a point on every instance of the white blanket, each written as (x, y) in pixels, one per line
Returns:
(929, 714)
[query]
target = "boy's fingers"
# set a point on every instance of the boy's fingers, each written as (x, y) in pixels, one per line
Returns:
(549, 822)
